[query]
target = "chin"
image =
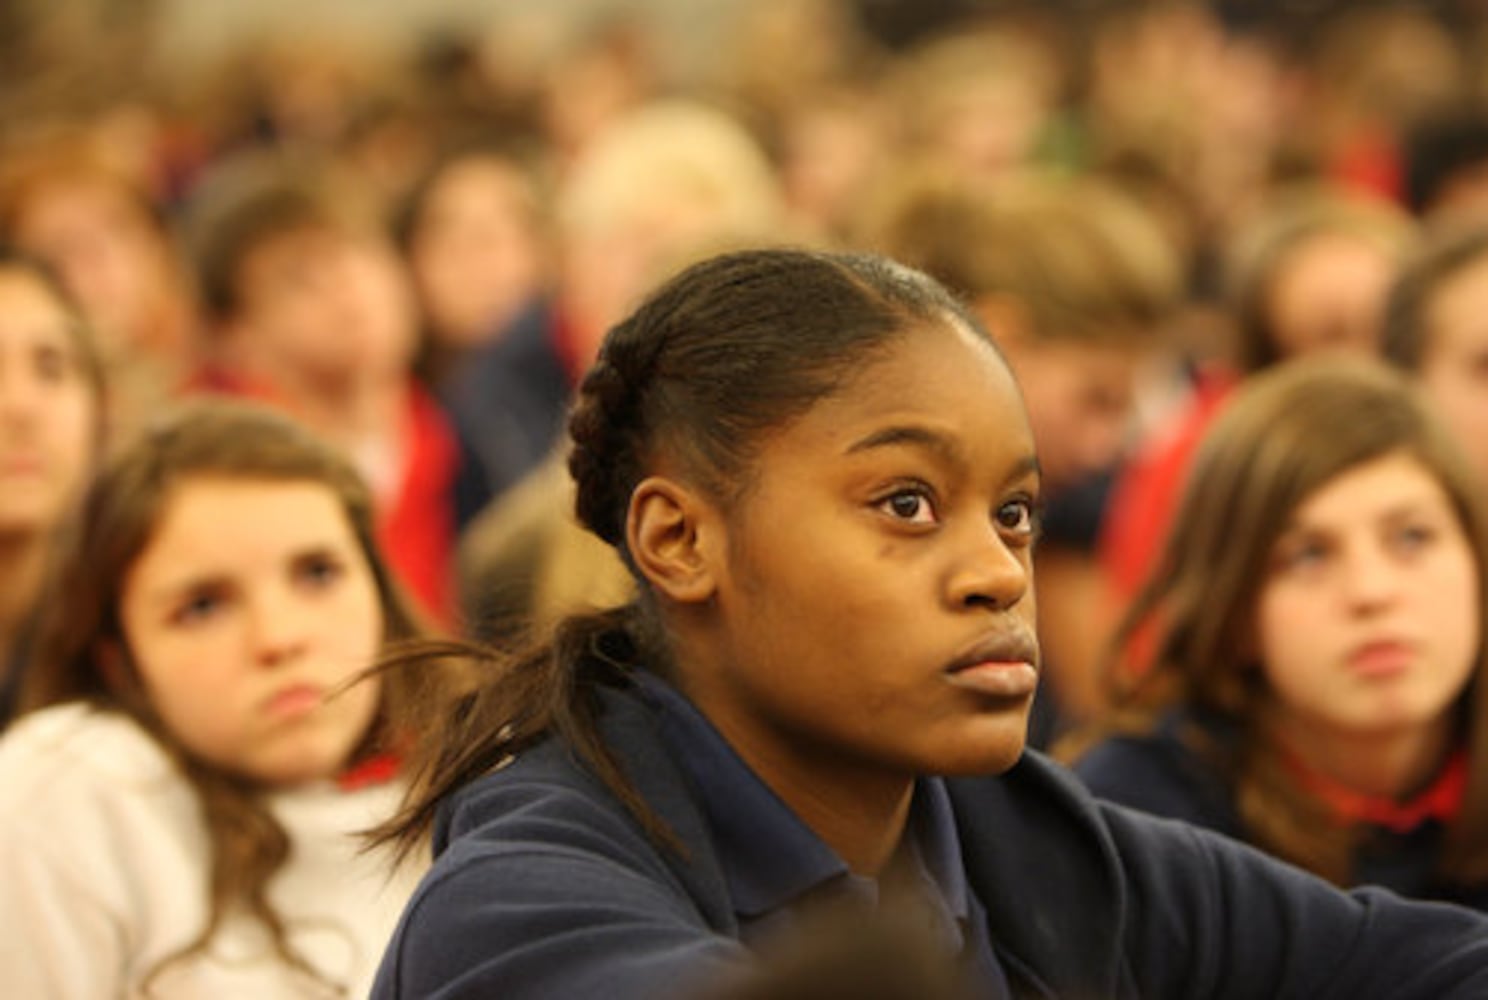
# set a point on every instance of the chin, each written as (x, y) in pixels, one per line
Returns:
(299, 764)
(979, 757)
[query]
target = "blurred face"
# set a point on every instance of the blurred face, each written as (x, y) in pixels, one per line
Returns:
(105, 248)
(990, 125)
(1080, 399)
(477, 255)
(1454, 370)
(1368, 619)
(320, 305)
(47, 408)
(874, 604)
(252, 602)
(1329, 294)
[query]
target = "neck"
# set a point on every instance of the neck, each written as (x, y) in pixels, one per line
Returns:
(862, 819)
(858, 811)
(347, 409)
(23, 560)
(1392, 765)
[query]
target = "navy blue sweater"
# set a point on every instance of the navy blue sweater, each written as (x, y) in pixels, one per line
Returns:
(544, 886)
(1162, 774)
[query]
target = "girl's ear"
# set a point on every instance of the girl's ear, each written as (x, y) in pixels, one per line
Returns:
(667, 530)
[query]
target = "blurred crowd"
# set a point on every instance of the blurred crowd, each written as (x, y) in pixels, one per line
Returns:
(413, 250)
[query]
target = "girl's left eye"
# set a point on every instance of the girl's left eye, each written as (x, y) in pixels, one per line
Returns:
(911, 505)
(1019, 517)
(1412, 537)
(318, 571)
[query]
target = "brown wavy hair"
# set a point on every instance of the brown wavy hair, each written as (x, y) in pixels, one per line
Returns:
(217, 438)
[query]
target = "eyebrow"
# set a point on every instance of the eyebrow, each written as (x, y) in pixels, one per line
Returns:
(909, 435)
(1406, 507)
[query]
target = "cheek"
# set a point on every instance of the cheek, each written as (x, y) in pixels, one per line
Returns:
(193, 687)
(1455, 622)
(355, 628)
(1286, 624)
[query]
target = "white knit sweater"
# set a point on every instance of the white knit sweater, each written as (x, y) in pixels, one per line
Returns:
(103, 872)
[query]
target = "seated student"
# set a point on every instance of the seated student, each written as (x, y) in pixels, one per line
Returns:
(51, 415)
(310, 309)
(1319, 629)
(1308, 274)
(1434, 330)
(820, 469)
(69, 200)
(474, 231)
(179, 798)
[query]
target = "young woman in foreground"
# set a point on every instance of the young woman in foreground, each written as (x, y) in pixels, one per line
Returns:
(822, 473)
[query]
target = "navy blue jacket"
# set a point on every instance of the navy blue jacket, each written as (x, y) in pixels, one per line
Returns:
(1162, 774)
(545, 887)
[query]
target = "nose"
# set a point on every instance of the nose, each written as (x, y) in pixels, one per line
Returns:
(1371, 578)
(278, 629)
(989, 573)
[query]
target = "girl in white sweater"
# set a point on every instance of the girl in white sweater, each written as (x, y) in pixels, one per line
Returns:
(180, 800)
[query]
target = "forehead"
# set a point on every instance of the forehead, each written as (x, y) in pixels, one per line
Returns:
(1378, 486)
(28, 306)
(1457, 309)
(222, 514)
(944, 377)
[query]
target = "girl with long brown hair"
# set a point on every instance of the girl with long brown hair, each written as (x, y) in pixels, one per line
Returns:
(179, 798)
(1314, 678)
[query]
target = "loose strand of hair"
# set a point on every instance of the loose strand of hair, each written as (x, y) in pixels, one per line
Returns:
(513, 700)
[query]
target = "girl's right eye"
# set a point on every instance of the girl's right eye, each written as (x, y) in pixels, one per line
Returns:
(1300, 554)
(197, 608)
(911, 505)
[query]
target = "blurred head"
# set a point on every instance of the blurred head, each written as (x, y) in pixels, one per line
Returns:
(296, 273)
(977, 99)
(1075, 280)
(665, 177)
(1434, 328)
(1326, 565)
(224, 586)
(51, 399)
(767, 403)
(96, 225)
(1446, 165)
(475, 235)
(1310, 274)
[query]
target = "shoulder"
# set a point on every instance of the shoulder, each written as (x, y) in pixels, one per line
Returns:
(76, 744)
(1171, 909)
(1161, 774)
(73, 771)
(546, 885)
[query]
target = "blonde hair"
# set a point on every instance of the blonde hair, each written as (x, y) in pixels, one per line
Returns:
(1086, 261)
(670, 152)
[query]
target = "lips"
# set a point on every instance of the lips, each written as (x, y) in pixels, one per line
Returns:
(21, 465)
(294, 701)
(1381, 657)
(1001, 666)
